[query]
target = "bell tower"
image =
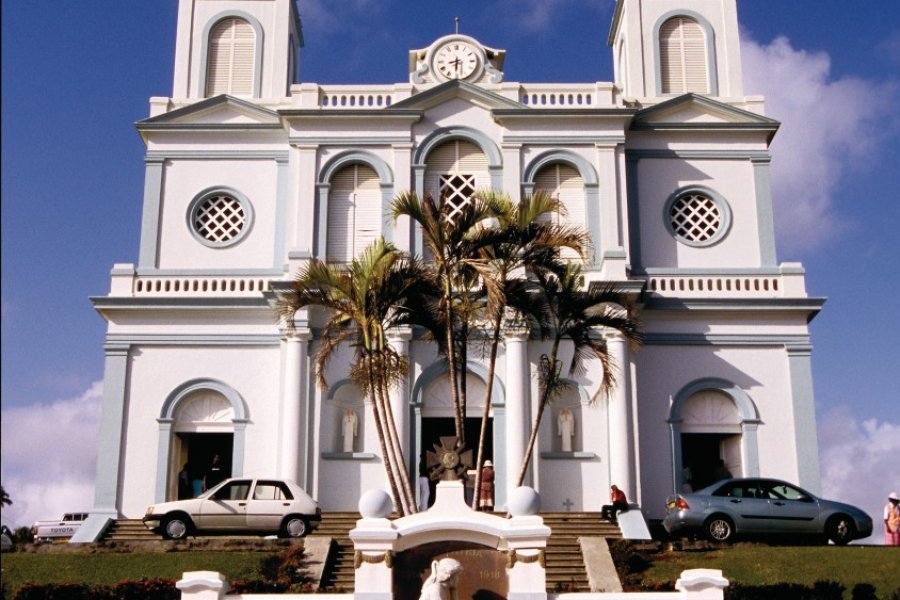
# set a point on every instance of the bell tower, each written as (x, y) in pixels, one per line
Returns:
(243, 48)
(665, 48)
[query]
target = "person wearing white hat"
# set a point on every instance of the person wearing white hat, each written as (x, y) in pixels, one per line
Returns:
(892, 520)
(486, 493)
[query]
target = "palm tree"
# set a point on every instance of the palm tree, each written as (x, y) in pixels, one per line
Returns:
(457, 269)
(5, 500)
(570, 312)
(364, 300)
(527, 240)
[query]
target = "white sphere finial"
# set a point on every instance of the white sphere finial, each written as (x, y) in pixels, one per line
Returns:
(524, 502)
(375, 504)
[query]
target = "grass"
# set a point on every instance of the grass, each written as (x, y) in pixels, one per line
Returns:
(111, 568)
(764, 565)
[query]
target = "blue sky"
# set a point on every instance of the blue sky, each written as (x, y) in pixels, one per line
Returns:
(76, 76)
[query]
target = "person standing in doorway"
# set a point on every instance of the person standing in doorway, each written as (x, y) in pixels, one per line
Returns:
(619, 504)
(216, 472)
(424, 489)
(486, 493)
(196, 475)
(721, 471)
(892, 520)
(184, 483)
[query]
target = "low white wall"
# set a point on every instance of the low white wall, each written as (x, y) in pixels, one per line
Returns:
(694, 584)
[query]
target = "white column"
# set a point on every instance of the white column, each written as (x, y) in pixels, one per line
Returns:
(399, 395)
(621, 432)
(518, 392)
(293, 401)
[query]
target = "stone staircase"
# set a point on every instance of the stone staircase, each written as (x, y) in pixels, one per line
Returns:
(129, 530)
(339, 571)
(566, 571)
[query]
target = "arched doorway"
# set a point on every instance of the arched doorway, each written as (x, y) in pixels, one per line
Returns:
(713, 434)
(202, 430)
(199, 420)
(432, 418)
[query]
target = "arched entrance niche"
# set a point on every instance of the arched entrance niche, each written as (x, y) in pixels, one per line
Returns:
(712, 419)
(199, 418)
(431, 411)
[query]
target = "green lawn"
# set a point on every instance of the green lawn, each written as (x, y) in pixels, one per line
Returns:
(110, 568)
(759, 565)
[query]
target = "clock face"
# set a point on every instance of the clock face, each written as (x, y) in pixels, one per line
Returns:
(456, 60)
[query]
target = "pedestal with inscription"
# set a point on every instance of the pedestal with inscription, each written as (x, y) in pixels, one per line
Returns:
(501, 557)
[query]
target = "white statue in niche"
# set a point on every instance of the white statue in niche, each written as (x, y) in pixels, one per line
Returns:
(349, 428)
(565, 423)
(441, 584)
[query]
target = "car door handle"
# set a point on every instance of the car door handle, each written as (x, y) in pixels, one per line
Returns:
(285, 503)
(735, 501)
(242, 504)
(778, 503)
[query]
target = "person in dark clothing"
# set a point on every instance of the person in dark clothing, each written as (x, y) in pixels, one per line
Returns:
(619, 505)
(721, 471)
(185, 490)
(216, 472)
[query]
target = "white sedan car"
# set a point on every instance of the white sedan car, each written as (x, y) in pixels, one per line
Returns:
(238, 505)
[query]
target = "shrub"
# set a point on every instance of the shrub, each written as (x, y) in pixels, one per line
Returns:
(147, 589)
(62, 591)
(863, 591)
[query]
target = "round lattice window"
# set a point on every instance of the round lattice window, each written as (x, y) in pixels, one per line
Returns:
(697, 218)
(219, 219)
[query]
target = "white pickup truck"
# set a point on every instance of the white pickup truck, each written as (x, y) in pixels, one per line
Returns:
(65, 528)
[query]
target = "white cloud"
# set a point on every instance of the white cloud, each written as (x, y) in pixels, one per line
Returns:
(859, 462)
(49, 457)
(830, 126)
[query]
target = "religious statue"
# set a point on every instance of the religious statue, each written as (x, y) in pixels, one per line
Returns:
(349, 428)
(441, 584)
(566, 425)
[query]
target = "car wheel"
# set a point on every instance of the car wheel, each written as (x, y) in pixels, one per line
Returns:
(840, 530)
(294, 527)
(719, 528)
(176, 527)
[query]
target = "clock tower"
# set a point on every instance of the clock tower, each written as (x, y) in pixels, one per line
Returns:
(456, 57)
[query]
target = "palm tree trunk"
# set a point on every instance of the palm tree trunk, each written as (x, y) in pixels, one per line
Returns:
(382, 437)
(545, 395)
(486, 411)
(453, 359)
(402, 472)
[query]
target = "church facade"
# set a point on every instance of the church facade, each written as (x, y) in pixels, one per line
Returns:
(250, 175)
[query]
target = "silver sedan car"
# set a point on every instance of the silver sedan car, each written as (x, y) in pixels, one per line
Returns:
(238, 505)
(763, 506)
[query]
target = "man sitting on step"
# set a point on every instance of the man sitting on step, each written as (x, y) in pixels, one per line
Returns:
(619, 504)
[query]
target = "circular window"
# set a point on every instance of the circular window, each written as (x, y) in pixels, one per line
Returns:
(219, 218)
(697, 217)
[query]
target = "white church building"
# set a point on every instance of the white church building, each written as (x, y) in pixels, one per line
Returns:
(251, 173)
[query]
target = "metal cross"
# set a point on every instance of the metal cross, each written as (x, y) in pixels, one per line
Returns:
(568, 504)
(457, 24)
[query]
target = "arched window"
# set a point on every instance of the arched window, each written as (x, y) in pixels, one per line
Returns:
(565, 183)
(683, 59)
(455, 170)
(232, 58)
(354, 212)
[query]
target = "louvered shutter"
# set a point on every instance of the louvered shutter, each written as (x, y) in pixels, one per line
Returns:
(565, 183)
(354, 212)
(231, 59)
(683, 60)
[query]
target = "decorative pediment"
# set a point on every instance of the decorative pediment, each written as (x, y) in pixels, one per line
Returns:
(694, 109)
(222, 110)
(451, 90)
